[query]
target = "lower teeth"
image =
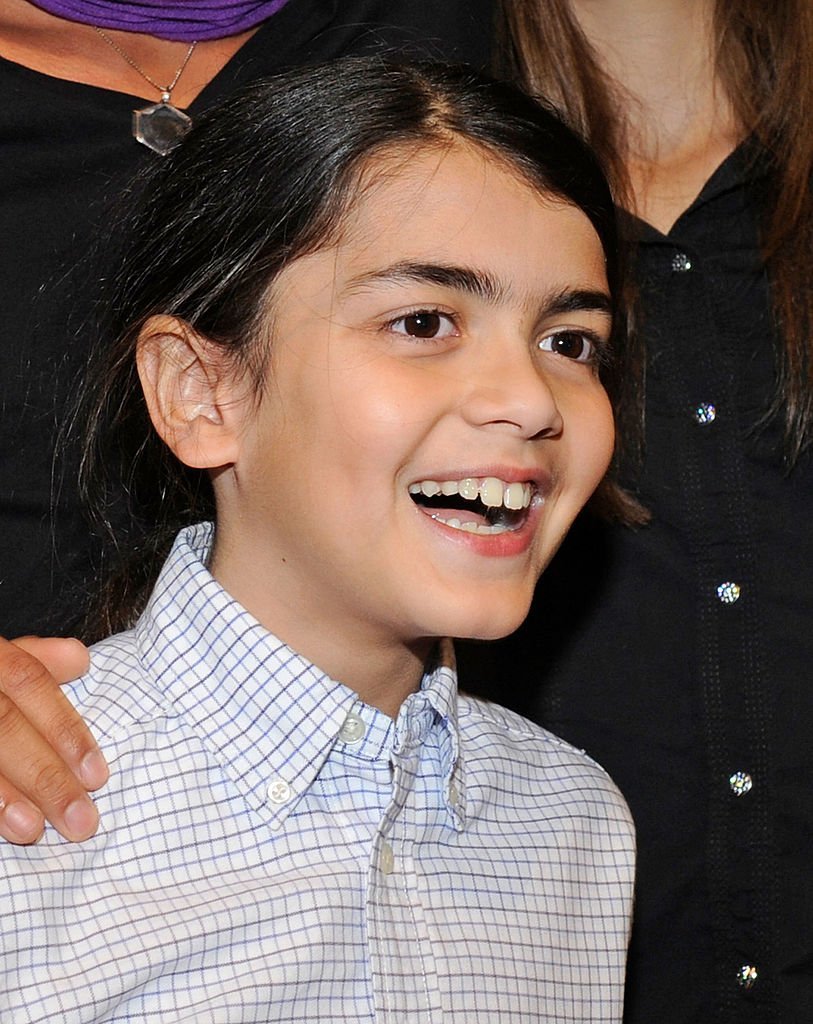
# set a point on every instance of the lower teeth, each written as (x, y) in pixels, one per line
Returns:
(486, 528)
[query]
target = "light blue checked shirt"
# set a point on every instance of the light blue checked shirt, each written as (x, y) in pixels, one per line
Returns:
(273, 849)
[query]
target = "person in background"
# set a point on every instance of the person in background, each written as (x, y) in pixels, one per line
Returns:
(392, 422)
(71, 74)
(678, 653)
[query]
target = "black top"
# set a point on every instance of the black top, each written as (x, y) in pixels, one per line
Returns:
(66, 148)
(680, 654)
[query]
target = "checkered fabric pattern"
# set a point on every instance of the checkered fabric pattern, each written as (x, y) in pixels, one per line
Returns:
(273, 849)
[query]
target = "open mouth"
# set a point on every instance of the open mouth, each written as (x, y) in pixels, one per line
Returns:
(484, 505)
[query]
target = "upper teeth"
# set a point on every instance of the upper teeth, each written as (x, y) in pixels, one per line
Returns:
(492, 491)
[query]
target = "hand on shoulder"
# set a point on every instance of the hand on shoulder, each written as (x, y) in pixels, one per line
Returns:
(48, 759)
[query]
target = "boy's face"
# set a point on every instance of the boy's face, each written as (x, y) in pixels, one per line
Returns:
(442, 345)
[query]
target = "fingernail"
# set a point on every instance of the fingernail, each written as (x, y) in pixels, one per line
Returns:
(24, 819)
(93, 770)
(81, 819)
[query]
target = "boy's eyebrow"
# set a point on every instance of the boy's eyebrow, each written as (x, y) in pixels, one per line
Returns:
(463, 279)
(579, 300)
(482, 285)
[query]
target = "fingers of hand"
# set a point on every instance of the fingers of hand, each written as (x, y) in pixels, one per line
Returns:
(39, 782)
(28, 683)
(64, 657)
(45, 749)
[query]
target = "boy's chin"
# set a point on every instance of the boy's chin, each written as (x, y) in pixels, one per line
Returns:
(501, 622)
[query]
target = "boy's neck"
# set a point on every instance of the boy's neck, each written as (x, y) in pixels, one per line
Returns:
(381, 671)
(679, 123)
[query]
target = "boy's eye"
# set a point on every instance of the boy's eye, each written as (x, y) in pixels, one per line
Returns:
(575, 345)
(425, 323)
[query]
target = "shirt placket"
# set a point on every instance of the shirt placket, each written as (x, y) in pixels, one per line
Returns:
(736, 712)
(405, 982)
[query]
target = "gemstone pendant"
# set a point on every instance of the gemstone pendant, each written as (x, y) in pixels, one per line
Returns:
(160, 127)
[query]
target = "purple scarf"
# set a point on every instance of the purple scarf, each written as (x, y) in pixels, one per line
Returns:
(184, 20)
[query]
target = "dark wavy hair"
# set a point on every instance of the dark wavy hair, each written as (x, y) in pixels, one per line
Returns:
(267, 178)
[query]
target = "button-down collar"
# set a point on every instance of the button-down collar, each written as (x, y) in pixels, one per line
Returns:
(269, 716)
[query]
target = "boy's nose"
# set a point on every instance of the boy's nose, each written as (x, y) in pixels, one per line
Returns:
(513, 393)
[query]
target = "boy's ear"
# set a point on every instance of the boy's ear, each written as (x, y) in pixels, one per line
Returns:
(190, 393)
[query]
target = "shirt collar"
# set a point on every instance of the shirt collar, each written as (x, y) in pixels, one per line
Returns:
(440, 690)
(746, 167)
(266, 714)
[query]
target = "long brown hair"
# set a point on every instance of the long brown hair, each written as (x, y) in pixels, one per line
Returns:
(764, 60)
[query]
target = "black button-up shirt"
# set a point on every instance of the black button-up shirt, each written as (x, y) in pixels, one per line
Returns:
(681, 655)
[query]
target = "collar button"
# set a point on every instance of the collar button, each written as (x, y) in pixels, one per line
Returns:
(353, 729)
(278, 792)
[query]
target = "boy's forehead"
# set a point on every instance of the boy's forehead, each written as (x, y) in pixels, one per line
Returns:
(413, 182)
(457, 218)
(421, 200)
(455, 206)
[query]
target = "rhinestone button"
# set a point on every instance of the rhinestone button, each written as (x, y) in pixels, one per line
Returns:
(681, 263)
(741, 783)
(386, 860)
(705, 413)
(747, 976)
(279, 792)
(728, 592)
(353, 729)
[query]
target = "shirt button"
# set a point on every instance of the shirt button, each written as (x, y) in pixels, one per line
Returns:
(386, 860)
(353, 729)
(728, 592)
(747, 976)
(681, 263)
(279, 792)
(705, 413)
(741, 783)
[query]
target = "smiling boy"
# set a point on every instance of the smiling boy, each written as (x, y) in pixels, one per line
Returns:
(352, 841)
(394, 365)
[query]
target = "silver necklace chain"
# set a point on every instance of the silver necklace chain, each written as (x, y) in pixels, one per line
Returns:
(165, 90)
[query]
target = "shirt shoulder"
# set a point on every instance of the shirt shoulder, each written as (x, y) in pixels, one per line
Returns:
(118, 692)
(502, 746)
(509, 727)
